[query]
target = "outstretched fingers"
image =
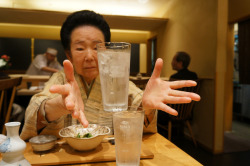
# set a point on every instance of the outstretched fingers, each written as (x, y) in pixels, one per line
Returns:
(61, 89)
(82, 119)
(181, 84)
(167, 109)
(79, 115)
(68, 70)
(177, 100)
(157, 70)
(183, 94)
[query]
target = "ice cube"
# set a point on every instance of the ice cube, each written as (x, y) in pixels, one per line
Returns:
(117, 71)
(103, 58)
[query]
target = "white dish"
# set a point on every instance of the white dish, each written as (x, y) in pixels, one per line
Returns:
(83, 144)
(43, 142)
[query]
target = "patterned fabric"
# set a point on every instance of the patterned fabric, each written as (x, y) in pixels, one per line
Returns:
(93, 108)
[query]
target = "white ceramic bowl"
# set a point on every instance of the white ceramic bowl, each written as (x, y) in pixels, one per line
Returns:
(43, 142)
(83, 144)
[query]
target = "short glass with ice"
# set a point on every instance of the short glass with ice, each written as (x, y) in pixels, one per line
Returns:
(128, 129)
(114, 68)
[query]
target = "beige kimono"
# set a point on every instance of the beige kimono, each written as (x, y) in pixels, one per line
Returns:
(93, 108)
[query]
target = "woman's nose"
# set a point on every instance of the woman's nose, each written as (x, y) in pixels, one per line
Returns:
(90, 54)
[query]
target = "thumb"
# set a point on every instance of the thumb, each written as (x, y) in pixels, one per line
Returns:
(157, 69)
(68, 70)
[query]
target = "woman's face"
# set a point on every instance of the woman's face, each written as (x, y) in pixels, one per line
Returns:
(83, 52)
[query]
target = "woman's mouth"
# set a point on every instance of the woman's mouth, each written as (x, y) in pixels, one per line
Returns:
(88, 68)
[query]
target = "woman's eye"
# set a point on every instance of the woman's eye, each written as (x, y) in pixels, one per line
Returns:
(79, 49)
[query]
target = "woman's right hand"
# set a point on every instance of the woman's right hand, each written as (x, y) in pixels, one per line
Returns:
(71, 99)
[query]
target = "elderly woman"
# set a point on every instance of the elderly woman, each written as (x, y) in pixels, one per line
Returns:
(76, 92)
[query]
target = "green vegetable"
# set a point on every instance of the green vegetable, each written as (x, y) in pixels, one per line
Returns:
(87, 135)
(78, 135)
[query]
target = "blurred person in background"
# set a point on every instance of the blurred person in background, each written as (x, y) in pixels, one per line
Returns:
(180, 63)
(45, 64)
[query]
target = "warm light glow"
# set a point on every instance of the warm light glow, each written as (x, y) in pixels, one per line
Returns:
(27, 25)
(30, 31)
(142, 1)
(6, 3)
(145, 8)
(130, 31)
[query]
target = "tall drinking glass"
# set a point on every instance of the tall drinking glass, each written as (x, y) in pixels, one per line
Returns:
(128, 128)
(114, 67)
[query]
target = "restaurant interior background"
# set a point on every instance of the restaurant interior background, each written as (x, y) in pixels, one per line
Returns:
(22, 55)
(204, 29)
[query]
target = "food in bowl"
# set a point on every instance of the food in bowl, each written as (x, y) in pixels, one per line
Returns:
(43, 142)
(83, 139)
(87, 135)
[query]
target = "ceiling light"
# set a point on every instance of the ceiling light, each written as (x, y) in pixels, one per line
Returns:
(143, 1)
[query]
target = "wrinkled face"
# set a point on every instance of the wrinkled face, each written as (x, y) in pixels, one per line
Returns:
(83, 52)
(175, 64)
(50, 57)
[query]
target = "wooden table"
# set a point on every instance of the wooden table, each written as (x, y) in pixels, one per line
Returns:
(27, 92)
(165, 153)
(34, 79)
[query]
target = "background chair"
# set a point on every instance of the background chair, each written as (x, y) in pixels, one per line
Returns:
(184, 112)
(8, 92)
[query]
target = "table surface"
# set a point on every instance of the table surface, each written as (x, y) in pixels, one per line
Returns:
(31, 77)
(27, 92)
(34, 80)
(165, 153)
